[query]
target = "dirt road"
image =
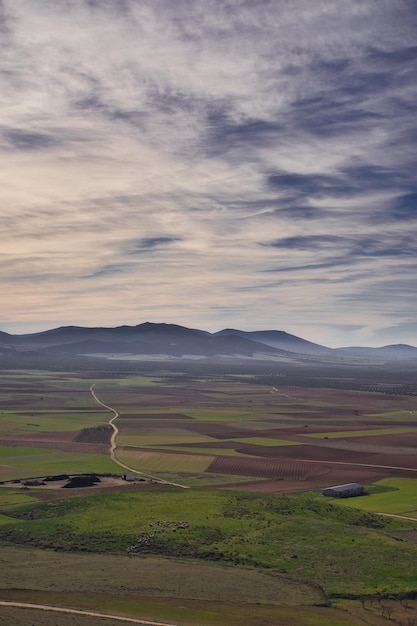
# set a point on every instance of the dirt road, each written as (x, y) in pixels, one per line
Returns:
(45, 607)
(113, 444)
(114, 427)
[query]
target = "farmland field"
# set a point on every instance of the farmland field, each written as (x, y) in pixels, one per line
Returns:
(252, 456)
(292, 437)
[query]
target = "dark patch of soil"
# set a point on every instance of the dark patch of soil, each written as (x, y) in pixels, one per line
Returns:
(97, 434)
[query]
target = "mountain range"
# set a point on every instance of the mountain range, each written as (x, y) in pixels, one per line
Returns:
(150, 341)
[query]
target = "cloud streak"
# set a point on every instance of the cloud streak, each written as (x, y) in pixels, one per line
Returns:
(168, 157)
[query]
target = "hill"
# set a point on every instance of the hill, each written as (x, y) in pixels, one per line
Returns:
(278, 339)
(172, 341)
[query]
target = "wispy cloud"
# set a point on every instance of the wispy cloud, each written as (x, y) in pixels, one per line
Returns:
(174, 155)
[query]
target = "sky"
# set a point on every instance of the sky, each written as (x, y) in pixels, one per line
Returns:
(210, 163)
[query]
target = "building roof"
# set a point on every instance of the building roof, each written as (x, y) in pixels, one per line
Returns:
(347, 486)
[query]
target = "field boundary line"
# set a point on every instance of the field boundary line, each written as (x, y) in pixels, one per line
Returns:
(113, 444)
(46, 607)
(323, 462)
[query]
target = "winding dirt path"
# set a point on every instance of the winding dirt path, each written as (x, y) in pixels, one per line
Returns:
(113, 444)
(413, 519)
(45, 607)
(114, 427)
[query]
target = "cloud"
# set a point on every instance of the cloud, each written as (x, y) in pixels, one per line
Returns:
(150, 243)
(377, 246)
(404, 207)
(24, 140)
(173, 154)
(306, 242)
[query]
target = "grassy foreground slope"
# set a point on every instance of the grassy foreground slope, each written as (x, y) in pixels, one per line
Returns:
(187, 593)
(343, 551)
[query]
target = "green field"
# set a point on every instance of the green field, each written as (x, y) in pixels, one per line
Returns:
(149, 461)
(51, 421)
(10, 498)
(200, 450)
(6, 519)
(400, 499)
(266, 441)
(29, 462)
(363, 433)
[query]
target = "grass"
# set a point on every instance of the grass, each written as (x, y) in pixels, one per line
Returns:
(363, 433)
(132, 381)
(266, 441)
(200, 450)
(117, 574)
(49, 421)
(184, 611)
(9, 498)
(12, 453)
(6, 520)
(202, 479)
(181, 592)
(216, 414)
(401, 499)
(209, 415)
(284, 534)
(149, 461)
(393, 414)
(21, 462)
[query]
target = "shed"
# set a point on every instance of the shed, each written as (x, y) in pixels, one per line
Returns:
(344, 491)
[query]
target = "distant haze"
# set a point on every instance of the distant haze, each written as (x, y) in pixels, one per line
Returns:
(214, 164)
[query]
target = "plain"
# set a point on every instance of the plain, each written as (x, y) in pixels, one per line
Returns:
(251, 521)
